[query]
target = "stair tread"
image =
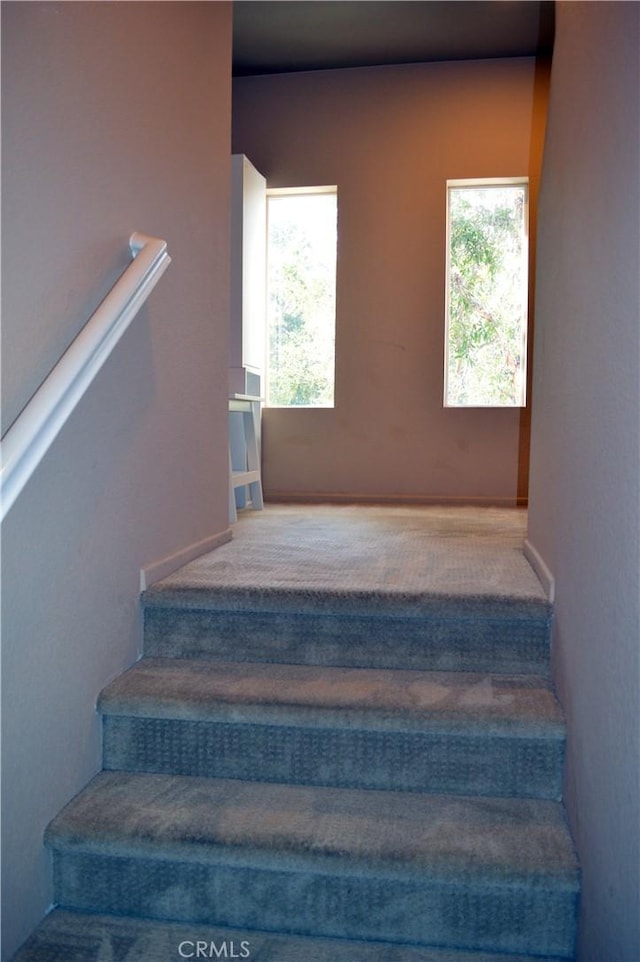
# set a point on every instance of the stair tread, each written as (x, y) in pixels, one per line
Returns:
(66, 936)
(444, 838)
(385, 699)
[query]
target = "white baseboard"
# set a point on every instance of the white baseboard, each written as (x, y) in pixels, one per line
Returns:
(157, 570)
(537, 562)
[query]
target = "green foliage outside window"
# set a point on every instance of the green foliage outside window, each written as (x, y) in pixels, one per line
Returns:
(487, 296)
(301, 299)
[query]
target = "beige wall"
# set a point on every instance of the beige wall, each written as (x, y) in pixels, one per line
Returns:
(116, 117)
(584, 516)
(390, 137)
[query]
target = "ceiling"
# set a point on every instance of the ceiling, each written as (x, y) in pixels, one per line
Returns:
(280, 36)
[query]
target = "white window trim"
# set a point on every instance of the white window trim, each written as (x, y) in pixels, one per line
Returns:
(292, 192)
(288, 191)
(473, 182)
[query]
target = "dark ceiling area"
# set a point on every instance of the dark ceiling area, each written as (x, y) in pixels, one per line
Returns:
(281, 36)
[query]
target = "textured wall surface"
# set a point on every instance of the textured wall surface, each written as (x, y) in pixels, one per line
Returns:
(584, 512)
(389, 137)
(116, 117)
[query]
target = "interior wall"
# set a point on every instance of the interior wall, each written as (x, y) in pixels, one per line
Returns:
(116, 117)
(389, 137)
(584, 516)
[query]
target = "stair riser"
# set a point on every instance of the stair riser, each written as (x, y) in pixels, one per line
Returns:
(357, 906)
(63, 937)
(497, 644)
(401, 761)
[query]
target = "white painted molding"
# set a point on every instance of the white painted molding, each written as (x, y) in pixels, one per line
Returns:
(32, 433)
(158, 570)
(537, 562)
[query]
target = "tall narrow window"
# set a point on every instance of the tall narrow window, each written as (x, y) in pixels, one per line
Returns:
(487, 291)
(301, 296)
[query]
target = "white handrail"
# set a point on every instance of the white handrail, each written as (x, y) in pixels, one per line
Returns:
(29, 437)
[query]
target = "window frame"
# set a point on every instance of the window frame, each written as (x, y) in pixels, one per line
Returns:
(292, 192)
(479, 182)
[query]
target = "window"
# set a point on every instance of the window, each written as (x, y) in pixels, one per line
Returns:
(301, 296)
(486, 294)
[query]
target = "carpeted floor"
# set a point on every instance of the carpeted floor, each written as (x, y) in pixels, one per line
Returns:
(430, 588)
(347, 549)
(71, 937)
(342, 743)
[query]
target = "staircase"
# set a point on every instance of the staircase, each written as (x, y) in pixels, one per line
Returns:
(315, 777)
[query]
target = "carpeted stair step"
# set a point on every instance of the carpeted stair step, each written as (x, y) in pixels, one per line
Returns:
(496, 875)
(410, 631)
(349, 727)
(77, 937)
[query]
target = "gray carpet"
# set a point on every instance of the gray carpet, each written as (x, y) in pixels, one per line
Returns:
(342, 744)
(405, 867)
(75, 937)
(360, 551)
(349, 727)
(441, 589)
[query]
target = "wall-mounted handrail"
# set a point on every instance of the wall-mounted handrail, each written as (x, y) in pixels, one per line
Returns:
(29, 437)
